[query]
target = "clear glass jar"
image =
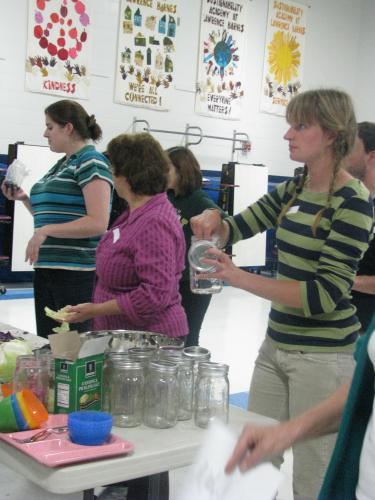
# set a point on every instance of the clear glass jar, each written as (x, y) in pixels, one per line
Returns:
(211, 394)
(185, 386)
(48, 374)
(161, 395)
(126, 396)
(198, 251)
(143, 355)
(30, 373)
(109, 357)
(197, 354)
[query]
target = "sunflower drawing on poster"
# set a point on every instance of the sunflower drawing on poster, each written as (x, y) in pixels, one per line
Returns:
(146, 53)
(284, 55)
(58, 48)
(221, 65)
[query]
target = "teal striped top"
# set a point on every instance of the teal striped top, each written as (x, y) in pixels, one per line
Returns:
(324, 264)
(57, 198)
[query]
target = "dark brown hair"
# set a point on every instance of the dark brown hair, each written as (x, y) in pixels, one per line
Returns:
(141, 159)
(189, 176)
(66, 111)
(366, 132)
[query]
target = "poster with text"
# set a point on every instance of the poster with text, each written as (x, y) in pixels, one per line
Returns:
(146, 53)
(58, 48)
(284, 55)
(221, 64)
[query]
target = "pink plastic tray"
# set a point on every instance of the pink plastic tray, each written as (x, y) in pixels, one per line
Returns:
(57, 449)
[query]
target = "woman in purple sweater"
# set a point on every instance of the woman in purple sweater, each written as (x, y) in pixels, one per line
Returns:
(139, 261)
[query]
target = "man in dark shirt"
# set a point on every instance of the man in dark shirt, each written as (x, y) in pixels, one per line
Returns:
(362, 166)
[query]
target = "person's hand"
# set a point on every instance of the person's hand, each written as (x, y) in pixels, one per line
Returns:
(259, 444)
(34, 244)
(13, 193)
(80, 312)
(206, 224)
(224, 268)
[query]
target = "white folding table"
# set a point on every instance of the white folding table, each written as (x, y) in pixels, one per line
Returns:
(156, 450)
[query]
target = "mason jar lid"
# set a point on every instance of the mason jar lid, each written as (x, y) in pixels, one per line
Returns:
(200, 249)
(128, 364)
(170, 352)
(196, 352)
(179, 361)
(148, 351)
(116, 355)
(163, 366)
(218, 368)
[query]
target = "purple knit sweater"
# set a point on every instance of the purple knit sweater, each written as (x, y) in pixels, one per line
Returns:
(139, 262)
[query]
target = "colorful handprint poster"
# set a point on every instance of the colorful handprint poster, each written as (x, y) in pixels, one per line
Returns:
(284, 55)
(58, 48)
(221, 64)
(146, 53)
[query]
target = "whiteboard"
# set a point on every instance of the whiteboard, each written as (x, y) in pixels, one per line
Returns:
(252, 182)
(38, 159)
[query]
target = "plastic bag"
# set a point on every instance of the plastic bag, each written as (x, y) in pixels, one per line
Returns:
(9, 351)
(15, 175)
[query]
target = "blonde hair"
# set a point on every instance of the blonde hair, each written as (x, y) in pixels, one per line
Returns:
(333, 111)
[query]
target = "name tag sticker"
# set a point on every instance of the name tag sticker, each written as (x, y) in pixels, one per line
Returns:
(116, 234)
(293, 210)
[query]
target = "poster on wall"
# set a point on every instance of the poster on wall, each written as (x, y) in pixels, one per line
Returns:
(146, 53)
(222, 61)
(284, 55)
(58, 48)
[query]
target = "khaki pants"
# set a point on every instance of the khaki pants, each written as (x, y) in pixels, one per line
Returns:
(287, 383)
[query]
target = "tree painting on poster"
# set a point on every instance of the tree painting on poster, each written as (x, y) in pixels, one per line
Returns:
(222, 61)
(58, 47)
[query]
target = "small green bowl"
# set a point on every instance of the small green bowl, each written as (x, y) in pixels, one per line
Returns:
(8, 421)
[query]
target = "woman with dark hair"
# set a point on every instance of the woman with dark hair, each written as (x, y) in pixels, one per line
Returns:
(186, 195)
(141, 258)
(70, 206)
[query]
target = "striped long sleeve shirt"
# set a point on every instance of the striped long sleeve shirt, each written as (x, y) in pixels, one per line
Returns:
(58, 198)
(324, 264)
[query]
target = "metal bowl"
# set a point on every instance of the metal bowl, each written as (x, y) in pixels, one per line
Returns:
(123, 340)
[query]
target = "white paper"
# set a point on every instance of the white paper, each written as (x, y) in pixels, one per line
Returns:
(206, 480)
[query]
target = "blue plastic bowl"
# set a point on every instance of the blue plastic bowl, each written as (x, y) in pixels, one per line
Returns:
(20, 419)
(89, 428)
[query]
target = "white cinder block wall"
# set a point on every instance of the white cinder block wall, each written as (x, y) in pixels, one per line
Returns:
(339, 52)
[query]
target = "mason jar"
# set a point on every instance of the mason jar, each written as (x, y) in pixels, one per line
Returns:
(126, 396)
(48, 375)
(30, 373)
(185, 386)
(109, 358)
(197, 354)
(142, 355)
(161, 395)
(198, 251)
(211, 394)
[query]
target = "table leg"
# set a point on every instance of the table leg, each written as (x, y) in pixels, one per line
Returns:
(88, 494)
(158, 486)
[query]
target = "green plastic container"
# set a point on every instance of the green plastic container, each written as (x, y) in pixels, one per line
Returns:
(8, 421)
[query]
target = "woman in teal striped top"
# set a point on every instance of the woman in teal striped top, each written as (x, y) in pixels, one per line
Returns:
(323, 219)
(70, 206)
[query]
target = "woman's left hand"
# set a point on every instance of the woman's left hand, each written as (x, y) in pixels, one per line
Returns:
(224, 267)
(33, 246)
